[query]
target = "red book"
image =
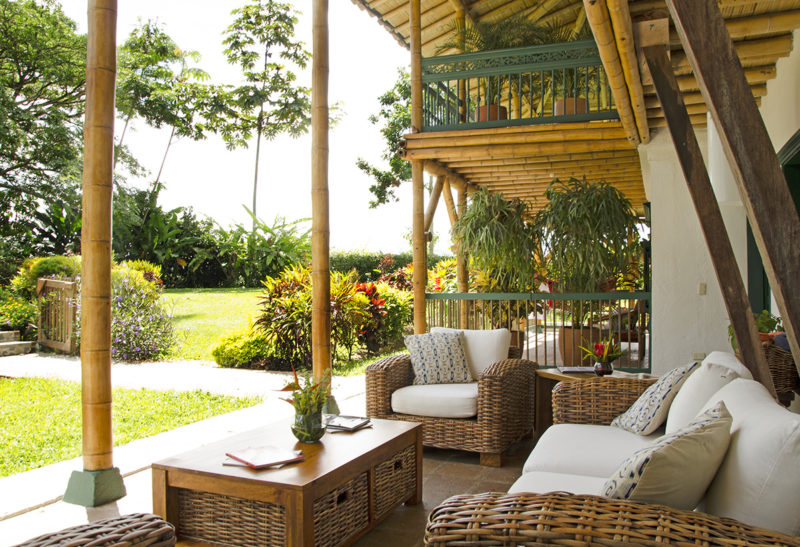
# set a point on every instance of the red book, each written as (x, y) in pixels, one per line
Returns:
(265, 456)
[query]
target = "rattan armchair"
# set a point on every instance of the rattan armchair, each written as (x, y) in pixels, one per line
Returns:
(559, 518)
(505, 406)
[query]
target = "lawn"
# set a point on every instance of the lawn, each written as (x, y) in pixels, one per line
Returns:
(202, 316)
(29, 441)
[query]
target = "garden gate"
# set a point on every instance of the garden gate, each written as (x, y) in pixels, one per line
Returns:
(58, 304)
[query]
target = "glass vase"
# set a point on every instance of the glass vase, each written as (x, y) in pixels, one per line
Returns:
(308, 428)
(602, 368)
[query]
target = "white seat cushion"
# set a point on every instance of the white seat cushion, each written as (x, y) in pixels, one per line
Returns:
(677, 468)
(716, 371)
(541, 482)
(758, 481)
(583, 449)
(483, 348)
(437, 400)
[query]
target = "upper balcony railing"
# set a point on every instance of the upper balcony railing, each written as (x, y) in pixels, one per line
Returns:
(520, 86)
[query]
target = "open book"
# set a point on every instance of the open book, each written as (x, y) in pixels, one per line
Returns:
(261, 457)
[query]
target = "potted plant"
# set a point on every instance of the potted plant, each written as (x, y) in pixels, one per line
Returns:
(604, 353)
(308, 399)
(565, 86)
(768, 326)
(513, 32)
(588, 235)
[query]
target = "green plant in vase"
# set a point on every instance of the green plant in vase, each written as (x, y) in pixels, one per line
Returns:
(308, 398)
(604, 353)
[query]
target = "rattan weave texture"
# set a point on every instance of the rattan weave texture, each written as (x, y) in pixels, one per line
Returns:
(341, 512)
(595, 400)
(395, 480)
(564, 519)
(138, 529)
(229, 520)
(505, 405)
(782, 369)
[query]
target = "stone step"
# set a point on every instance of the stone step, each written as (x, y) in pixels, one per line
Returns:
(9, 335)
(16, 348)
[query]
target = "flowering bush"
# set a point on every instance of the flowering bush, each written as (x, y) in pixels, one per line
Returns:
(399, 313)
(370, 331)
(16, 313)
(442, 277)
(140, 327)
(605, 351)
(399, 279)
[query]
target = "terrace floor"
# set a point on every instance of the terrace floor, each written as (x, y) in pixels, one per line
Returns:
(31, 502)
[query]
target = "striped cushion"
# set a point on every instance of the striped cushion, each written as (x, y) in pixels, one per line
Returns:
(438, 358)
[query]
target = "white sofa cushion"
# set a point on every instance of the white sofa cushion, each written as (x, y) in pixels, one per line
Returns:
(482, 347)
(584, 449)
(759, 480)
(650, 410)
(541, 482)
(716, 370)
(678, 467)
(437, 400)
(438, 358)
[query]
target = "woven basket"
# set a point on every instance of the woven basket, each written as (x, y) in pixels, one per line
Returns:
(136, 530)
(781, 368)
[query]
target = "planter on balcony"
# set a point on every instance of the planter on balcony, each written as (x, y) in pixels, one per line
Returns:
(570, 105)
(489, 112)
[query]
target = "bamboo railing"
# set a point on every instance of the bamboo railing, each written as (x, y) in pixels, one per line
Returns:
(543, 323)
(517, 86)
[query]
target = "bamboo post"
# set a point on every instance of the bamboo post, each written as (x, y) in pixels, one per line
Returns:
(462, 263)
(320, 226)
(99, 482)
(417, 173)
(436, 192)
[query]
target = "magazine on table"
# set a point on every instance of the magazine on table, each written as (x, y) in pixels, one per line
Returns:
(261, 457)
(346, 423)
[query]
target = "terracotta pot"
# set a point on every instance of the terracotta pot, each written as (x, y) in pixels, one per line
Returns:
(569, 341)
(489, 112)
(570, 105)
(518, 339)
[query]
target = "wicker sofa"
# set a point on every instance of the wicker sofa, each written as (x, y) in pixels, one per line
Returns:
(504, 405)
(753, 498)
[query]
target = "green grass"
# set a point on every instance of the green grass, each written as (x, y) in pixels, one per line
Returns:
(202, 316)
(40, 420)
(357, 366)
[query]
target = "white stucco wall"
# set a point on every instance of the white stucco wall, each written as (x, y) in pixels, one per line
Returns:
(685, 323)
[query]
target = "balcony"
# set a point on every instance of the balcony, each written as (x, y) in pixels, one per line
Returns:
(552, 83)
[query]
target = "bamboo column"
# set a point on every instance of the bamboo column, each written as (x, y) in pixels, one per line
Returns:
(417, 173)
(320, 226)
(462, 265)
(99, 482)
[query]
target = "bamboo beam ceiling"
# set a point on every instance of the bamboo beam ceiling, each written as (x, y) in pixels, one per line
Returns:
(761, 31)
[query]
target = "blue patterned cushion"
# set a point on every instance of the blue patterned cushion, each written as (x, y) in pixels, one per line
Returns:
(438, 358)
(677, 468)
(651, 408)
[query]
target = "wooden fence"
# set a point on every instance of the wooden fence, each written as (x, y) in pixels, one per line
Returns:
(58, 304)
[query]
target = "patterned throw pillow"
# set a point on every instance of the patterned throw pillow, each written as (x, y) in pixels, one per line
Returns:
(438, 358)
(677, 468)
(651, 408)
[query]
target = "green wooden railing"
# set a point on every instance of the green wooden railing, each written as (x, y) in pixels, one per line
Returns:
(518, 86)
(543, 323)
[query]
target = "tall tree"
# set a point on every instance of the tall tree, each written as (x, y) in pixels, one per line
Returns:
(261, 41)
(395, 120)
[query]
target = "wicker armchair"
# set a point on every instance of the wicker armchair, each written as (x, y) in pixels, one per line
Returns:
(505, 406)
(559, 518)
(135, 530)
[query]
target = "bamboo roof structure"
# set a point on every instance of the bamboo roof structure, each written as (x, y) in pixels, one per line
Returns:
(520, 161)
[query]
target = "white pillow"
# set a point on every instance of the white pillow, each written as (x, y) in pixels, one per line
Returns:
(716, 370)
(758, 481)
(483, 348)
(650, 410)
(676, 469)
(438, 358)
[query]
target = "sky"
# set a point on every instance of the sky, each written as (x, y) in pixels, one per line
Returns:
(216, 182)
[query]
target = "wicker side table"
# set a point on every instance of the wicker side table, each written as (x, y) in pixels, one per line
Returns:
(135, 530)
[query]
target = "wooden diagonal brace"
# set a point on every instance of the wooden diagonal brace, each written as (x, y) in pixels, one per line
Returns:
(762, 186)
(705, 203)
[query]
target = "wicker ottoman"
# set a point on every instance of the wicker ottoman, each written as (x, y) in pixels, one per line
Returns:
(138, 529)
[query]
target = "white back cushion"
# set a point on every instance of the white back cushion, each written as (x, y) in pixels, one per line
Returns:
(716, 371)
(758, 482)
(482, 347)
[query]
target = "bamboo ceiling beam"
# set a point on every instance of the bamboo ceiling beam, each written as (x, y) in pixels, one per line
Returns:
(567, 135)
(454, 179)
(520, 182)
(755, 75)
(543, 8)
(500, 150)
(751, 156)
(320, 208)
(597, 167)
(623, 34)
(499, 12)
(744, 27)
(777, 46)
(534, 160)
(698, 120)
(599, 19)
(433, 202)
(690, 98)
(580, 21)
(563, 16)
(534, 128)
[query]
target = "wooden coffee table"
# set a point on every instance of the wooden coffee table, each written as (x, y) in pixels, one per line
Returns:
(347, 484)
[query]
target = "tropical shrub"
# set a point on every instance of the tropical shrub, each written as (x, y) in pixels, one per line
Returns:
(16, 313)
(141, 329)
(151, 272)
(370, 332)
(248, 348)
(399, 314)
(24, 283)
(442, 277)
(399, 279)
